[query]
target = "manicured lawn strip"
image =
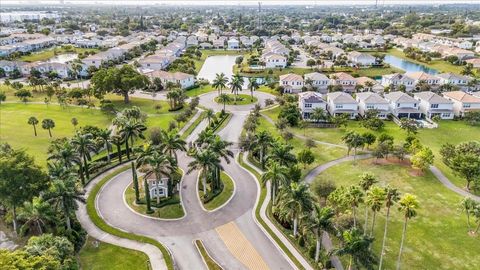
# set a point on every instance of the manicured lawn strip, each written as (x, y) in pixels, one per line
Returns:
(101, 224)
(224, 196)
(242, 99)
(200, 90)
(192, 127)
(263, 193)
(268, 90)
(437, 237)
(440, 65)
(108, 256)
(211, 264)
(224, 122)
(171, 211)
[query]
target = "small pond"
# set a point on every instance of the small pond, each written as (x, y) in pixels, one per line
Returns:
(406, 65)
(63, 58)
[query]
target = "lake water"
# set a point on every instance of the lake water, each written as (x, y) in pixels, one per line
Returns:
(406, 65)
(63, 58)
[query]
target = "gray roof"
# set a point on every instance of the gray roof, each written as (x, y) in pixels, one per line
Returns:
(431, 97)
(316, 76)
(311, 97)
(341, 97)
(400, 97)
(370, 97)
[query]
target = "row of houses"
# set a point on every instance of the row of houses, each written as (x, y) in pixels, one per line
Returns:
(27, 45)
(399, 104)
(275, 54)
(25, 68)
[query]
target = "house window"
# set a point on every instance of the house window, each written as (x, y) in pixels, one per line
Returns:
(434, 106)
(398, 105)
(466, 105)
(445, 115)
(308, 105)
(339, 106)
(370, 107)
(160, 192)
(415, 105)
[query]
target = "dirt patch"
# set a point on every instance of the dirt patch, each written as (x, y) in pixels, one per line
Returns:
(391, 161)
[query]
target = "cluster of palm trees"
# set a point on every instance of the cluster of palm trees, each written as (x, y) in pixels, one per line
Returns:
(159, 157)
(175, 95)
(236, 84)
(207, 156)
(47, 124)
(471, 208)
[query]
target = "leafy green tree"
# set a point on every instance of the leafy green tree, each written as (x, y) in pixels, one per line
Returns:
(16, 164)
(369, 138)
(3, 97)
(291, 113)
(408, 205)
(147, 196)
(318, 114)
(34, 122)
(306, 157)
(409, 125)
(468, 206)
(20, 259)
(422, 159)
(392, 196)
(48, 124)
(74, 122)
(171, 142)
(55, 246)
(104, 138)
(282, 153)
(357, 246)
(23, 95)
(464, 160)
(262, 142)
(210, 115)
(135, 183)
(37, 215)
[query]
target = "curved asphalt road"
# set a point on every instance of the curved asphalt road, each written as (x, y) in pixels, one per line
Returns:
(198, 224)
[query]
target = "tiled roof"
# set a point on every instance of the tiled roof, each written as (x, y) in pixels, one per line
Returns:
(461, 96)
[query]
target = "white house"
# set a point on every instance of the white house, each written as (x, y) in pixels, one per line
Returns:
(308, 101)
(432, 105)
(319, 81)
(274, 60)
(361, 59)
(233, 44)
(291, 83)
(372, 101)
(9, 66)
(158, 187)
(183, 79)
(346, 80)
(155, 62)
(475, 61)
(339, 103)
(397, 79)
(453, 79)
(403, 106)
(421, 76)
(463, 102)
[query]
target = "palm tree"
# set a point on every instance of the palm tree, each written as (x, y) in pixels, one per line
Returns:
(117, 141)
(33, 121)
(375, 198)
(408, 205)
(391, 197)
(296, 200)
(36, 215)
(158, 164)
(366, 181)
(318, 221)
(210, 115)
(236, 85)
(252, 85)
(84, 145)
(74, 122)
(355, 245)
(220, 82)
(204, 160)
(282, 154)
(67, 156)
(354, 196)
(262, 141)
(224, 98)
(48, 124)
(65, 193)
(353, 140)
(171, 142)
(131, 130)
(318, 114)
(467, 205)
(277, 175)
(104, 138)
(220, 148)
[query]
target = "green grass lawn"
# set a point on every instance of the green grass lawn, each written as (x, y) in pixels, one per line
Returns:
(440, 65)
(110, 257)
(224, 196)
(15, 130)
(200, 90)
(49, 53)
(242, 99)
(436, 238)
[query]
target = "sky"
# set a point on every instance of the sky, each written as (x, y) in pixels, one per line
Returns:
(239, 2)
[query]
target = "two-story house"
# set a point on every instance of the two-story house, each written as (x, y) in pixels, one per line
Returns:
(463, 102)
(339, 103)
(372, 101)
(361, 59)
(274, 60)
(421, 76)
(291, 83)
(158, 188)
(346, 80)
(318, 81)
(403, 105)
(308, 101)
(183, 79)
(453, 79)
(396, 79)
(432, 105)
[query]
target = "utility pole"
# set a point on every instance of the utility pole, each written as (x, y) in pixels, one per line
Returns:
(259, 19)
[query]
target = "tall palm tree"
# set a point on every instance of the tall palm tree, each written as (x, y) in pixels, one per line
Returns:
(36, 214)
(236, 85)
(171, 142)
(282, 154)
(408, 205)
(220, 82)
(66, 194)
(277, 175)
(48, 124)
(33, 121)
(117, 140)
(84, 145)
(353, 140)
(210, 115)
(467, 205)
(131, 130)
(319, 220)
(104, 138)
(367, 180)
(205, 138)
(204, 160)
(391, 197)
(224, 98)
(354, 196)
(252, 86)
(355, 245)
(375, 199)
(159, 164)
(220, 148)
(318, 114)
(296, 200)
(262, 141)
